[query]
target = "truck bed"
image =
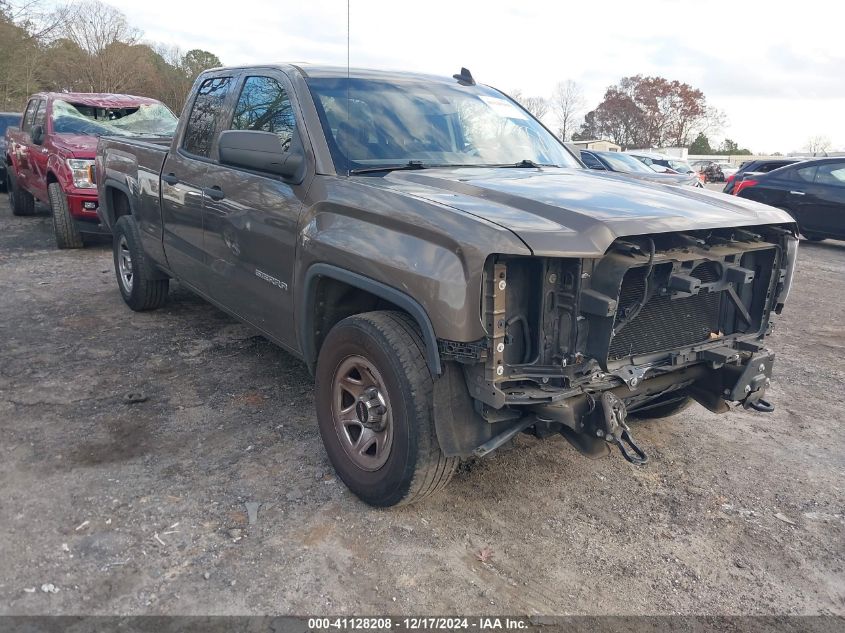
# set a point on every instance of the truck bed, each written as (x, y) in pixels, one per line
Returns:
(133, 166)
(142, 153)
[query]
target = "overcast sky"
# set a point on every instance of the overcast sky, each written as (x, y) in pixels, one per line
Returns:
(777, 69)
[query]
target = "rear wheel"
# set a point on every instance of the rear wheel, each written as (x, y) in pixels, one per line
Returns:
(22, 202)
(141, 286)
(374, 410)
(67, 235)
(663, 409)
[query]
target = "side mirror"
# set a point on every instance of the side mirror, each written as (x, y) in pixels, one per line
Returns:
(261, 151)
(37, 134)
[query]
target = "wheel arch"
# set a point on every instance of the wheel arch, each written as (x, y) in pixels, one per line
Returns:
(314, 321)
(115, 201)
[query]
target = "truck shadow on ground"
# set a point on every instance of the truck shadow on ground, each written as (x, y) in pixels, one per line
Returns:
(832, 245)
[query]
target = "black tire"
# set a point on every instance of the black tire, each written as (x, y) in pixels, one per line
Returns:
(4, 181)
(144, 287)
(22, 202)
(67, 235)
(415, 467)
(666, 410)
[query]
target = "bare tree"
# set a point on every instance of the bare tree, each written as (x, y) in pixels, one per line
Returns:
(538, 106)
(102, 33)
(818, 144)
(24, 28)
(39, 18)
(87, 46)
(567, 104)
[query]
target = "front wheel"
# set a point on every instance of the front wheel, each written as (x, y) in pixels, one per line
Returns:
(67, 235)
(141, 286)
(374, 409)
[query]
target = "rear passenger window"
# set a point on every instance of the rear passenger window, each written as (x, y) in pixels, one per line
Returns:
(805, 174)
(265, 106)
(831, 174)
(202, 121)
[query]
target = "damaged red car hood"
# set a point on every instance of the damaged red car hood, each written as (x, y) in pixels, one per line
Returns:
(76, 145)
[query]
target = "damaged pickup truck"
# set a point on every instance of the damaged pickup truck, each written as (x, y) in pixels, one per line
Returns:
(450, 273)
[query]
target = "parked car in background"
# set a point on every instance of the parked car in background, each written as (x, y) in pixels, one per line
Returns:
(811, 191)
(7, 120)
(713, 173)
(728, 169)
(658, 161)
(50, 157)
(630, 166)
(756, 167)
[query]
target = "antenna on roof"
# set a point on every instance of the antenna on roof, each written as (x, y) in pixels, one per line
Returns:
(464, 77)
(345, 150)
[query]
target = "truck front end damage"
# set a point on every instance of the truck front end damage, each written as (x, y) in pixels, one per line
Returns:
(575, 345)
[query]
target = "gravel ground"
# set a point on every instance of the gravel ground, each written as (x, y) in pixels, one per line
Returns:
(214, 494)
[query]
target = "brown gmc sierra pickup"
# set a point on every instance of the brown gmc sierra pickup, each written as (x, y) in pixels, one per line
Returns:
(448, 270)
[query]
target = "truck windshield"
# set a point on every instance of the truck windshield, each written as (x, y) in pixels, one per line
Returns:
(149, 119)
(372, 123)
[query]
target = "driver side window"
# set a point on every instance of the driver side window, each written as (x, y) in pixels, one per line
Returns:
(26, 124)
(264, 105)
(41, 115)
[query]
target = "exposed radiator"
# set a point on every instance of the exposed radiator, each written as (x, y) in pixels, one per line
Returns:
(665, 323)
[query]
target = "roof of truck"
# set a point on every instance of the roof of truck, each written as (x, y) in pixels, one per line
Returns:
(98, 99)
(329, 72)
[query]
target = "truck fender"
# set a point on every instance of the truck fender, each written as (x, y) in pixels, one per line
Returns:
(394, 296)
(106, 212)
(58, 169)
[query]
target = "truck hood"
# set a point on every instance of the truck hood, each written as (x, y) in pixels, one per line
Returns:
(76, 145)
(576, 212)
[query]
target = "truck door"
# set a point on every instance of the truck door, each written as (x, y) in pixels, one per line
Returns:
(22, 145)
(183, 178)
(38, 155)
(251, 218)
(825, 200)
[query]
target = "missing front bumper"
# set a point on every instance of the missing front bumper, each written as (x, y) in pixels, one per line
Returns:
(596, 419)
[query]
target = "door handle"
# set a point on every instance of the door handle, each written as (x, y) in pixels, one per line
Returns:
(798, 193)
(170, 179)
(215, 193)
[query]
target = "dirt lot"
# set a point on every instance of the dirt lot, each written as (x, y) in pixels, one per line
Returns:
(141, 508)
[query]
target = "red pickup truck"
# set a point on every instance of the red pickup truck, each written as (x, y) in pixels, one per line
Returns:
(50, 156)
